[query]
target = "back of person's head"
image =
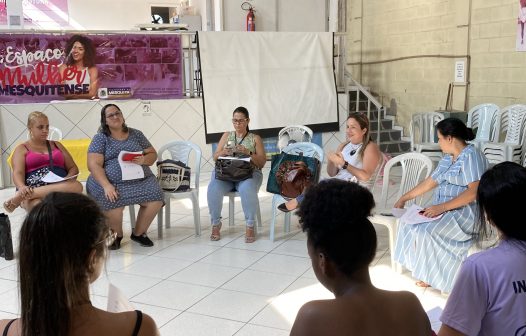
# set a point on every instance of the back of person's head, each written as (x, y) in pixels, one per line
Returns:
(58, 240)
(500, 196)
(456, 128)
(33, 116)
(334, 214)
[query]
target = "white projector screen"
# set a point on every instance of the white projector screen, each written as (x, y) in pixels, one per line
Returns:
(281, 78)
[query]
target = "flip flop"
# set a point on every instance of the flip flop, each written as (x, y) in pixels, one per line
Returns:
(283, 207)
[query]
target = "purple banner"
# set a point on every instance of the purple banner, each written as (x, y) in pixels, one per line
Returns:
(44, 67)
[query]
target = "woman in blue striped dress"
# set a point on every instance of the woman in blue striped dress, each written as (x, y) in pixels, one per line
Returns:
(433, 251)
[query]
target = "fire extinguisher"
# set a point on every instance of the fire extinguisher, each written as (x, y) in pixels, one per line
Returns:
(251, 17)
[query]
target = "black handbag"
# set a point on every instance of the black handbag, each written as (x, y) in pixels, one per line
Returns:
(6, 241)
(234, 170)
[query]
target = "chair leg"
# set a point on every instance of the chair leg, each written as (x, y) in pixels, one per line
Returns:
(197, 214)
(286, 227)
(167, 214)
(260, 223)
(231, 210)
(160, 224)
(273, 219)
(131, 207)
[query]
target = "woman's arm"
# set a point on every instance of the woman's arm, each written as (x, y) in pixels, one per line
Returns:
(19, 170)
(96, 168)
(69, 163)
(446, 330)
(148, 158)
(420, 189)
(259, 157)
(464, 198)
(220, 150)
(332, 158)
(371, 159)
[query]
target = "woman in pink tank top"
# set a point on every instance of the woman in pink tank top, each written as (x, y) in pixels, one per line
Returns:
(31, 162)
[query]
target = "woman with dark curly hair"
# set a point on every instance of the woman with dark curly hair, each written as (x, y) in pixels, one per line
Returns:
(79, 67)
(341, 243)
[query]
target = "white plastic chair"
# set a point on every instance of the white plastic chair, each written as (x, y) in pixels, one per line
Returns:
(423, 134)
(231, 211)
(307, 149)
(297, 133)
(182, 151)
(415, 168)
(54, 134)
(511, 148)
(484, 118)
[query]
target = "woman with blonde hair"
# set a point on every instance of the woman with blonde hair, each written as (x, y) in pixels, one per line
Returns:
(33, 159)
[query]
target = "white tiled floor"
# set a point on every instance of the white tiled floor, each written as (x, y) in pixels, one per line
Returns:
(192, 286)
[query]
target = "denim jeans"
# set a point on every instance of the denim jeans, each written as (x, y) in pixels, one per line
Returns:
(248, 191)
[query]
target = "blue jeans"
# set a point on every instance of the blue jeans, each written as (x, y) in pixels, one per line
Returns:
(248, 191)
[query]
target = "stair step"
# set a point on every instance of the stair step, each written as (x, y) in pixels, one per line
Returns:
(385, 124)
(397, 146)
(387, 135)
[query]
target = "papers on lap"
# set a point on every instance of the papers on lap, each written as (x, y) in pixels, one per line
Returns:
(130, 170)
(54, 178)
(247, 159)
(412, 216)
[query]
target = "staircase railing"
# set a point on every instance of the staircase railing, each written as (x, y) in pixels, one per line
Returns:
(371, 101)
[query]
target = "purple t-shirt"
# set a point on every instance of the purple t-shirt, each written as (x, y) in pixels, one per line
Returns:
(489, 296)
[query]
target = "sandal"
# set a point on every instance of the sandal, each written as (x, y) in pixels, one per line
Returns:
(422, 284)
(216, 232)
(250, 236)
(11, 204)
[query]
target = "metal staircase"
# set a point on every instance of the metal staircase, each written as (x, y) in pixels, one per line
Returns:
(389, 137)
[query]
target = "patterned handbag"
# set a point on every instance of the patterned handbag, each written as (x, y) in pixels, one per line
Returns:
(173, 176)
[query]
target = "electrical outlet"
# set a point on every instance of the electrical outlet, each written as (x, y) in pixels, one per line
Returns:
(146, 108)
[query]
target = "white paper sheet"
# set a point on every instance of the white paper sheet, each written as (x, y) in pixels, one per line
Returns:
(234, 158)
(130, 170)
(397, 212)
(54, 178)
(412, 216)
(434, 317)
(117, 301)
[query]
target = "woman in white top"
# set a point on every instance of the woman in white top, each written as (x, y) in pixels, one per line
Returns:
(355, 160)
(79, 68)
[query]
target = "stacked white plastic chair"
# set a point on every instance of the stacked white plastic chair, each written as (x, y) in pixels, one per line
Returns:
(307, 149)
(415, 168)
(423, 134)
(294, 133)
(54, 134)
(484, 120)
(512, 147)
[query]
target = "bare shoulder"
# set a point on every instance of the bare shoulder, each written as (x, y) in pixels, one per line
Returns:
(310, 317)
(148, 327)
(14, 326)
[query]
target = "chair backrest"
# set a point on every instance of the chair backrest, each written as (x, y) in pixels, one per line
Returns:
(371, 183)
(415, 168)
(298, 133)
(181, 151)
(485, 119)
(308, 149)
(54, 134)
(422, 128)
(516, 118)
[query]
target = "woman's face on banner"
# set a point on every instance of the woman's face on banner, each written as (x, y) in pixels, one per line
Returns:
(77, 52)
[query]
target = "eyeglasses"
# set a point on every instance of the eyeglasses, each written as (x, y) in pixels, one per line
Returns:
(114, 115)
(238, 121)
(109, 239)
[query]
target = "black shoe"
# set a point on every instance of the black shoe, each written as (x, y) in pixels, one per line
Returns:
(283, 207)
(116, 244)
(142, 239)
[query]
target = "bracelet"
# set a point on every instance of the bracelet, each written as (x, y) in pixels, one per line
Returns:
(345, 165)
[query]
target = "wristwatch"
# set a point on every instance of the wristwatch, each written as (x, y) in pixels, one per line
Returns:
(345, 165)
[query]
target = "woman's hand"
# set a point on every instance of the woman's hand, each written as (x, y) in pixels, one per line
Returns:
(25, 191)
(336, 159)
(139, 160)
(241, 149)
(111, 193)
(433, 211)
(399, 204)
